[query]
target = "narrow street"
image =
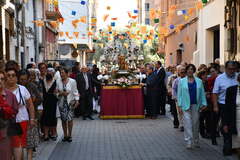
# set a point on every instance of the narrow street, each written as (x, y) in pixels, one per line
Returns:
(127, 140)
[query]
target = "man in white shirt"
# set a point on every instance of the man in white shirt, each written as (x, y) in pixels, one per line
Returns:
(224, 102)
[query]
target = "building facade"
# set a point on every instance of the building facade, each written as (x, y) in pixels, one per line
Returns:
(7, 10)
(218, 32)
(178, 46)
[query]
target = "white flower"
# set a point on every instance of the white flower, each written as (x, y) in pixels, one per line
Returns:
(106, 77)
(138, 76)
(144, 76)
(99, 77)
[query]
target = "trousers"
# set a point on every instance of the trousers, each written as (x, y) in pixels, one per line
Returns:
(191, 125)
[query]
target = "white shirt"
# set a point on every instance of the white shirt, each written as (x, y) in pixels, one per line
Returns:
(22, 111)
(71, 88)
(86, 80)
(222, 83)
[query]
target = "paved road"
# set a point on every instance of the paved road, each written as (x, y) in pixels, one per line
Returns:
(126, 140)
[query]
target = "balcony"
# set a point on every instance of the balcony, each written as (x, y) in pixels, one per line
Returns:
(52, 12)
(208, 2)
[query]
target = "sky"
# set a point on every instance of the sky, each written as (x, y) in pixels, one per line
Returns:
(119, 9)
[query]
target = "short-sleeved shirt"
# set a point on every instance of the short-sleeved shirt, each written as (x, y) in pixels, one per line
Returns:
(222, 83)
(22, 111)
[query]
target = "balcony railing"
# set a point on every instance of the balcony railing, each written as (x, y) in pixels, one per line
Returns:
(209, 1)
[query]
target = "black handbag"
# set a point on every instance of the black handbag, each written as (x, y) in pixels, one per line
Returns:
(14, 129)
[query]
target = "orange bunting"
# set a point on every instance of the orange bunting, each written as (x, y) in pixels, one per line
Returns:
(162, 30)
(133, 36)
(61, 34)
(114, 19)
(173, 7)
(128, 26)
(67, 34)
(105, 17)
(83, 19)
(179, 28)
(76, 34)
(143, 29)
(39, 23)
(129, 15)
(191, 11)
(90, 33)
(60, 20)
(109, 28)
(75, 23)
(152, 14)
(134, 17)
(199, 5)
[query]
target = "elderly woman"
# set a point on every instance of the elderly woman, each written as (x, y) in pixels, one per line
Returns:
(191, 98)
(5, 142)
(69, 97)
(26, 114)
(49, 120)
(32, 134)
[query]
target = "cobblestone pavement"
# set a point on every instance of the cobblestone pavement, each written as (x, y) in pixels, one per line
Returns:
(126, 140)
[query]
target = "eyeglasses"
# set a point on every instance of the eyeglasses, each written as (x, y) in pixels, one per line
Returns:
(11, 75)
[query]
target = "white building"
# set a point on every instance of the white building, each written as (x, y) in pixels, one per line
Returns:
(74, 36)
(21, 38)
(214, 37)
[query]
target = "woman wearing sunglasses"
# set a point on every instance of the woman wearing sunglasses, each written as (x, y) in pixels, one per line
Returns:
(25, 116)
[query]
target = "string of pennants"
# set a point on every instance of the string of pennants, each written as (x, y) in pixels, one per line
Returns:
(139, 31)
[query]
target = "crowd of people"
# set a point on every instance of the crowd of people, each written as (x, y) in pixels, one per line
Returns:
(199, 99)
(37, 97)
(202, 100)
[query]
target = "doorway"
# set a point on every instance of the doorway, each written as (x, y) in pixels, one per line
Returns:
(216, 44)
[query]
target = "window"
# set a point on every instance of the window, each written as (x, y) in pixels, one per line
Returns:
(147, 21)
(147, 7)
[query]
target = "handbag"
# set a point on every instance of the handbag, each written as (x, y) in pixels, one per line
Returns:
(72, 104)
(14, 129)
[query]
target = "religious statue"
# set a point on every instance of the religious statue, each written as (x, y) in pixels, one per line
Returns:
(122, 63)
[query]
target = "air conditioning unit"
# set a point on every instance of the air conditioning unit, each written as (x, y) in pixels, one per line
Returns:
(2, 2)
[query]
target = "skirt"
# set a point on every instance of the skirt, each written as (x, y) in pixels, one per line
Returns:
(20, 141)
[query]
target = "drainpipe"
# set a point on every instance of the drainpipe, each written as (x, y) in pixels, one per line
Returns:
(231, 26)
(36, 32)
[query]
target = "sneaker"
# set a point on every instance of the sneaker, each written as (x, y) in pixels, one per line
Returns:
(189, 146)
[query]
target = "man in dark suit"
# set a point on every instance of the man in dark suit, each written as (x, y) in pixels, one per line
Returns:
(85, 89)
(152, 93)
(161, 87)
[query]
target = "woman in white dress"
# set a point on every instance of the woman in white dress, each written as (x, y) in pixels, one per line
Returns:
(69, 97)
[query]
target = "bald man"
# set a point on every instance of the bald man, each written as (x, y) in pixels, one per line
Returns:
(85, 89)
